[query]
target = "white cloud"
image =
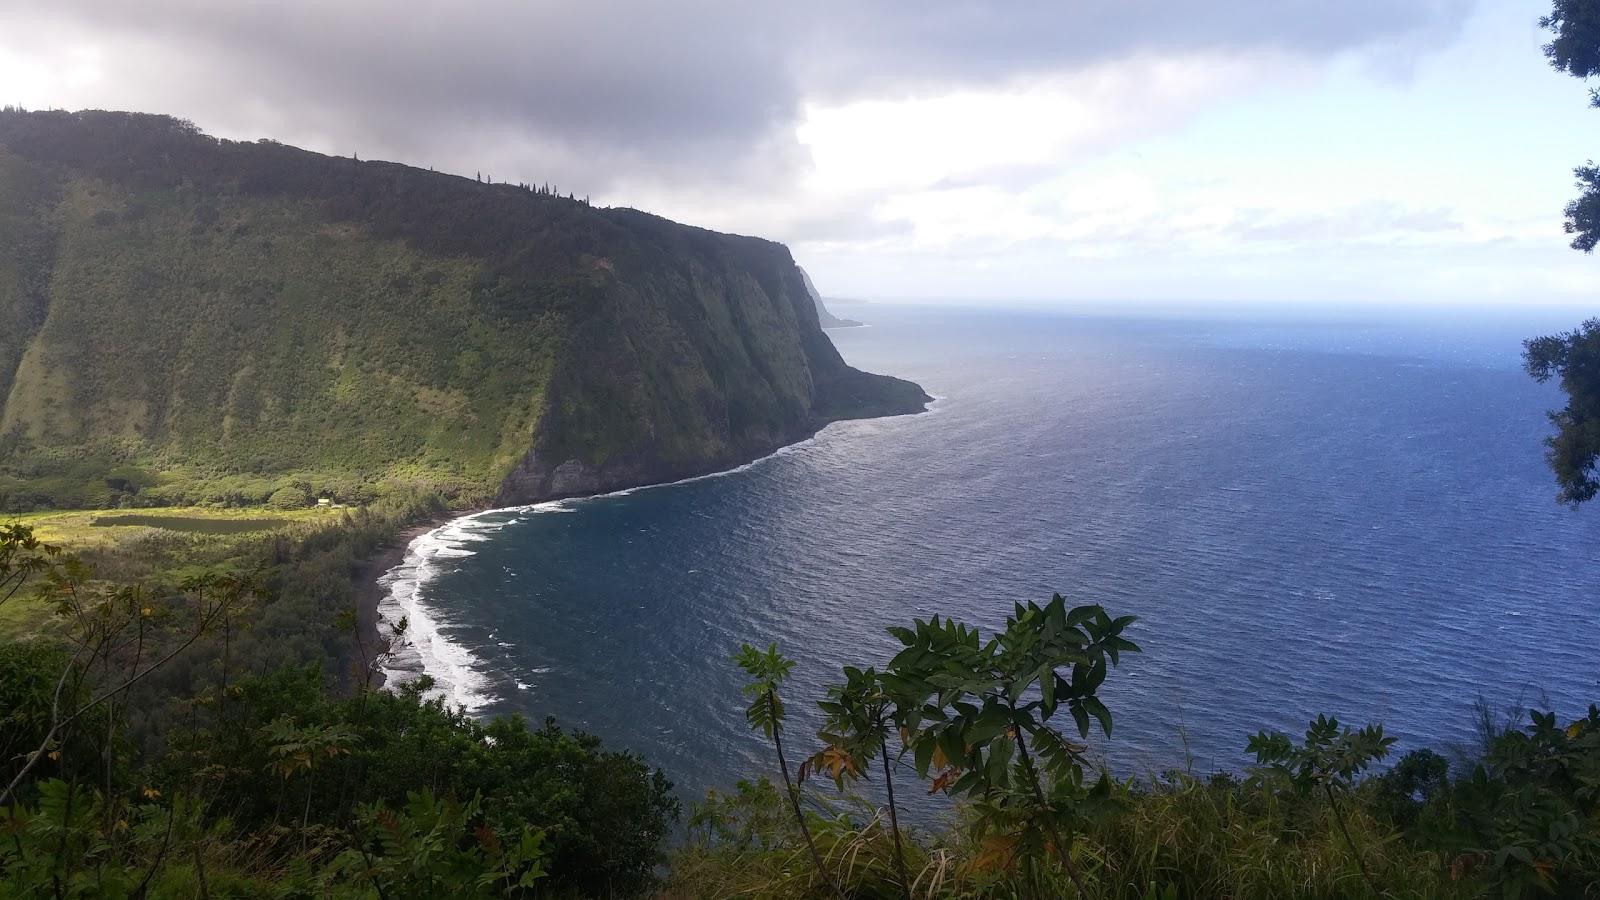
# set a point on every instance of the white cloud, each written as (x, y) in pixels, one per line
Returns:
(1034, 148)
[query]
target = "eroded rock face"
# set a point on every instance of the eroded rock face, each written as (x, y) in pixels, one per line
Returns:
(536, 479)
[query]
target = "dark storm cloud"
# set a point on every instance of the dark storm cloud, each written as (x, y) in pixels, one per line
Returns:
(687, 90)
(612, 79)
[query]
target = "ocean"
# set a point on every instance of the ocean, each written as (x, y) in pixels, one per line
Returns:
(1343, 513)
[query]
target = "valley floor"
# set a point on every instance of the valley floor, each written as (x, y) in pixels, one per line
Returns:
(151, 542)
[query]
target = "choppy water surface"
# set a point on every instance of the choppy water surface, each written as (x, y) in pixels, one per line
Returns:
(1349, 517)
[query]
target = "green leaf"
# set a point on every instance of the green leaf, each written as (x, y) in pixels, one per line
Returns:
(922, 754)
(1080, 716)
(1016, 689)
(1099, 711)
(993, 721)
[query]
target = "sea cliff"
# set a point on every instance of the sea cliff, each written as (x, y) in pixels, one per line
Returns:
(190, 319)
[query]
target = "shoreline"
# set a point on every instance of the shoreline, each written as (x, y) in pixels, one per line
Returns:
(372, 589)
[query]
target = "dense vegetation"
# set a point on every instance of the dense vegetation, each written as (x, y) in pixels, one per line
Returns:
(191, 320)
(238, 775)
(1573, 358)
(250, 779)
(188, 320)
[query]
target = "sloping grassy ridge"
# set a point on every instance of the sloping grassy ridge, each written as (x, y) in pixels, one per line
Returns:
(184, 319)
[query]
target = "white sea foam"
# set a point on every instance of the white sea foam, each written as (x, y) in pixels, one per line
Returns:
(426, 649)
(457, 672)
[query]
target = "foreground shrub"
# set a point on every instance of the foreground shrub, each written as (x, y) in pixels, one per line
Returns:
(276, 781)
(972, 715)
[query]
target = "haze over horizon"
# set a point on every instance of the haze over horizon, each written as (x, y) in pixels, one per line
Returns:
(1415, 151)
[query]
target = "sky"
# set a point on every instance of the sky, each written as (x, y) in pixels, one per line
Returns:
(1392, 152)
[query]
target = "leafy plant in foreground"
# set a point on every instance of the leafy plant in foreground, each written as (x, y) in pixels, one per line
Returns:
(22, 557)
(1529, 812)
(1574, 450)
(976, 706)
(1330, 760)
(440, 848)
(297, 749)
(768, 670)
(115, 637)
(1572, 359)
(860, 715)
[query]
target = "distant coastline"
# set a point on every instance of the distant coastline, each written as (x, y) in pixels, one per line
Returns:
(843, 323)
(824, 318)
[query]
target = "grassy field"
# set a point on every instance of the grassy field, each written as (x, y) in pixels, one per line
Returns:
(98, 529)
(163, 541)
(22, 618)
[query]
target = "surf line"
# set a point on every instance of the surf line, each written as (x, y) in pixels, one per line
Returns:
(426, 648)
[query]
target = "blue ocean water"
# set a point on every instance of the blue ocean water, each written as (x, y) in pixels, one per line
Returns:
(1344, 515)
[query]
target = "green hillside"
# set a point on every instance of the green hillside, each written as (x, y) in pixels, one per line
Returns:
(184, 319)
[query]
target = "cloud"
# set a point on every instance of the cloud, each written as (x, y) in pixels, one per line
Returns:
(933, 146)
(911, 45)
(604, 91)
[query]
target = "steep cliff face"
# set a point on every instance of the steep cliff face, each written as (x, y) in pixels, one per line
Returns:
(183, 318)
(725, 362)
